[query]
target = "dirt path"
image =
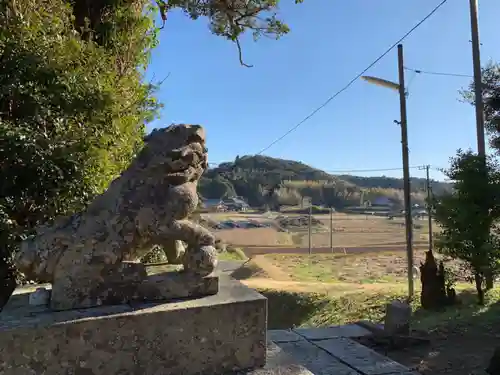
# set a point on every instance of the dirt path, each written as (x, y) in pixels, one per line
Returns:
(254, 251)
(274, 273)
(315, 287)
(374, 245)
(277, 279)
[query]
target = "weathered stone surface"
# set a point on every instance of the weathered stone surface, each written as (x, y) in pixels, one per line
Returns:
(316, 359)
(175, 285)
(322, 333)
(161, 286)
(147, 205)
(162, 283)
(278, 363)
(174, 251)
(363, 359)
(227, 267)
(40, 297)
(283, 335)
(211, 335)
(397, 318)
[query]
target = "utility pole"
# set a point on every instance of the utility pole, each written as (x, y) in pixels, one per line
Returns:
(429, 208)
(310, 229)
(400, 87)
(406, 173)
(478, 92)
(331, 229)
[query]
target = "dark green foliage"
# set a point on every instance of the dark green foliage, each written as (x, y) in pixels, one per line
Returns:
(231, 18)
(216, 188)
(8, 237)
(256, 177)
(384, 182)
(469, 215)
(72, 110)
(272, 169)
(491, 98)
(70, 120)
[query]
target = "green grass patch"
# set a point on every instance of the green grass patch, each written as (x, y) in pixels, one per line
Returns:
(356, 268)
(233, 253)
(288, 310)
(365, 268)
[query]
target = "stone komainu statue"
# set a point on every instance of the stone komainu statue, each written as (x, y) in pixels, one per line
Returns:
(147, 205)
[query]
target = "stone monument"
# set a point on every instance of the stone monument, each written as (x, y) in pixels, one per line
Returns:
(104, 305)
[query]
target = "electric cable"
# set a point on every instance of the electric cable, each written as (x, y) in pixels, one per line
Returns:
(349, 84)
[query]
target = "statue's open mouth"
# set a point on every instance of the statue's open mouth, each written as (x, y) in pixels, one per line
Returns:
(193, 155)
(195, 138)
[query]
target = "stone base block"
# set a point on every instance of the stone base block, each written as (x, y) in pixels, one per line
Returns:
(215, 334)
(130, 283)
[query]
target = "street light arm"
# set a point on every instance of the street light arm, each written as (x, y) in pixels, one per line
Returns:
(381, 82)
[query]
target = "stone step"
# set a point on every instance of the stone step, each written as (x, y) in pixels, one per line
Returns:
(365, 360)
(278, 363)
(330, 351)
(318, 361)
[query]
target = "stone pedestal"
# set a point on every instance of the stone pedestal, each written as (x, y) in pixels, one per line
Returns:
(397, 318)
(129, 282)
(210, 335)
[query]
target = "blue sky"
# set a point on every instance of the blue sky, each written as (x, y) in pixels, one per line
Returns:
(245, 109)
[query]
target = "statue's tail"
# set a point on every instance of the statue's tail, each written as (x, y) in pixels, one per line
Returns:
(36, 262)
(38, 255)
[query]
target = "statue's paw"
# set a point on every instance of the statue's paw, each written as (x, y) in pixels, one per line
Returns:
(25, 257)
(200, 261)
(206, 239)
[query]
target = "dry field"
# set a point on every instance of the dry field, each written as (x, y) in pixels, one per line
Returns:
(349, 230)
(255, 237)
(367, 268)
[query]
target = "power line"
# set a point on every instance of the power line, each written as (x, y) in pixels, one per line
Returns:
(352, 170)
(354, 79)
(340, 171)
(368, 170)
(418, 71)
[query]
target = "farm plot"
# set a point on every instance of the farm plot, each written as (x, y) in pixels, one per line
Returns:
(367, 268)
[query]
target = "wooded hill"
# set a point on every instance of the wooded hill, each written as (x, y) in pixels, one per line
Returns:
(265, 180)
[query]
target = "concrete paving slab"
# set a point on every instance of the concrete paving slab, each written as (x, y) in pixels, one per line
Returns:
(315, 359)
(365, 360)
(278, 363)
(348, 330)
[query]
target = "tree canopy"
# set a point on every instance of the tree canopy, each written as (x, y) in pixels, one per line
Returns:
(491, 99)
(254, 177)
(468, 216)
(232, 18)
(73, 108)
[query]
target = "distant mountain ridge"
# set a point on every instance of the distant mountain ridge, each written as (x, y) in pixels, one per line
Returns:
(256, 177)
